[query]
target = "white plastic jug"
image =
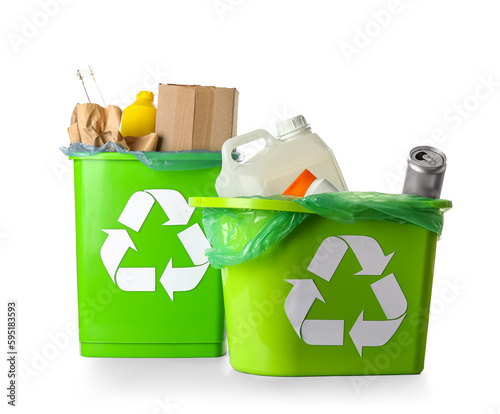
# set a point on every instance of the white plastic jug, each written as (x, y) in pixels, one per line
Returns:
(271, 169)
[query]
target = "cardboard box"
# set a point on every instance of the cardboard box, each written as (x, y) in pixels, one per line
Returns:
(195, 117)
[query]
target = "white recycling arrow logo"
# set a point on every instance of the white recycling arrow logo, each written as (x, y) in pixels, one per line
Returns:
(324, 264)
(133, 216)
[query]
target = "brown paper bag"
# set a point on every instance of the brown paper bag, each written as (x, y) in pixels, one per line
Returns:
(94, 125)
(145, 143)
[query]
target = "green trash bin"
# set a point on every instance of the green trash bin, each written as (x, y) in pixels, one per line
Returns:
(145, 288)
(336, 284)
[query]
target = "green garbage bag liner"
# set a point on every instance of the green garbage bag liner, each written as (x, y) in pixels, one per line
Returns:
(239, 234)
(158, 161)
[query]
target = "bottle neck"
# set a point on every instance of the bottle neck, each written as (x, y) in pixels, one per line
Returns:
(144, 102)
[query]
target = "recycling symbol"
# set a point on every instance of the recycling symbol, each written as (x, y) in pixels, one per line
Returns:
(133, 216)
(324, 265)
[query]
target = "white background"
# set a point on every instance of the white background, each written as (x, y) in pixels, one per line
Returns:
(406, 81)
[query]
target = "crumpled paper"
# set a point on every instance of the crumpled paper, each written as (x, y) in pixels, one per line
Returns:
(145, 143)
(94, 125)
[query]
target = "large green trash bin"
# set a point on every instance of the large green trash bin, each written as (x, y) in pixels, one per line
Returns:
(329, 297)
(145, 288)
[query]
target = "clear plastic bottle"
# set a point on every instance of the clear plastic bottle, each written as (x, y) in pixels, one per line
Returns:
(139, 118)
(274, 166)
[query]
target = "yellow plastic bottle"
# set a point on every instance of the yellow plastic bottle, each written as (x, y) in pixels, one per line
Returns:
(139, 118)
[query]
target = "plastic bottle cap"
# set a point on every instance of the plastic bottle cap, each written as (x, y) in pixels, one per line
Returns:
(146, 95)
(291, 125)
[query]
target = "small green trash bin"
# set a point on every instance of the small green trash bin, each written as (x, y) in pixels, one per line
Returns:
(145, 288)
(342, 292)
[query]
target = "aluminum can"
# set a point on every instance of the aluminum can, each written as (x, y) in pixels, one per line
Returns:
(425, 172)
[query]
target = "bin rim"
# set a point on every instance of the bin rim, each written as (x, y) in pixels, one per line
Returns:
(249, 203)
(226, 219)
(104, 156)
(172, 155)
(286, 203)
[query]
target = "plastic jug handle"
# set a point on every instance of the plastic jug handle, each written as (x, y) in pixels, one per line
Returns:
(240, 140)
